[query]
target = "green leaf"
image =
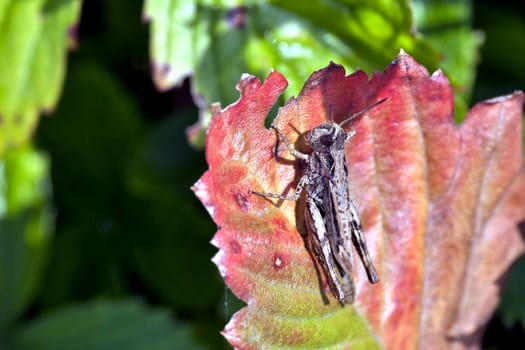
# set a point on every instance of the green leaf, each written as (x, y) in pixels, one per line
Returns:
(34, 37)
(217, 41)
(502, 67)
(177, 239)
(512, 306)
(447, 26)
(25, 228)
(105, 324)
(92, 137)
(93, 134)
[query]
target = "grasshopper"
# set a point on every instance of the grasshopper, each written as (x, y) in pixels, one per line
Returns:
(332, 221)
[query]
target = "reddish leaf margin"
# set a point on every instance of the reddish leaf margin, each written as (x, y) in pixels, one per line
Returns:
(439, 204)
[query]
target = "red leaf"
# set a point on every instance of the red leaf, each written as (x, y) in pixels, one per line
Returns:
(439, 204)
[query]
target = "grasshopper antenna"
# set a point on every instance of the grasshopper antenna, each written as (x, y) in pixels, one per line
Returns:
(356, 114)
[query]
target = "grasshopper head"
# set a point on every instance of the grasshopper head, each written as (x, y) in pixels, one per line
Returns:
(326, 136)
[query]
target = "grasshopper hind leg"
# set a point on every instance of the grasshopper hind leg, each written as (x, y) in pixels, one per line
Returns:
(339, 282)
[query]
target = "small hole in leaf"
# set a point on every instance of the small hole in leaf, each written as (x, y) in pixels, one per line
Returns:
(279, 261)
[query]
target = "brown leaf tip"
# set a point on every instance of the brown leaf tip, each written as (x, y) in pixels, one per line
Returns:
(161, 69)
(501, 99)
(247, 81)
(215, 108)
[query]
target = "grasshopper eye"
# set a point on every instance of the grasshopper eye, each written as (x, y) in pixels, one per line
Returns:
(327, 140)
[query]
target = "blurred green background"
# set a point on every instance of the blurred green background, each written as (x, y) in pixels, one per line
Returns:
(102, 243)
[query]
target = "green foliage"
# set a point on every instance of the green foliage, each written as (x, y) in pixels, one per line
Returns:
(33, 40)
(512, 307)
(217, 40)
(92, 137)
(105, 324)
(25, 228)
(501, 68)
(130, 222)
(446, 25)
